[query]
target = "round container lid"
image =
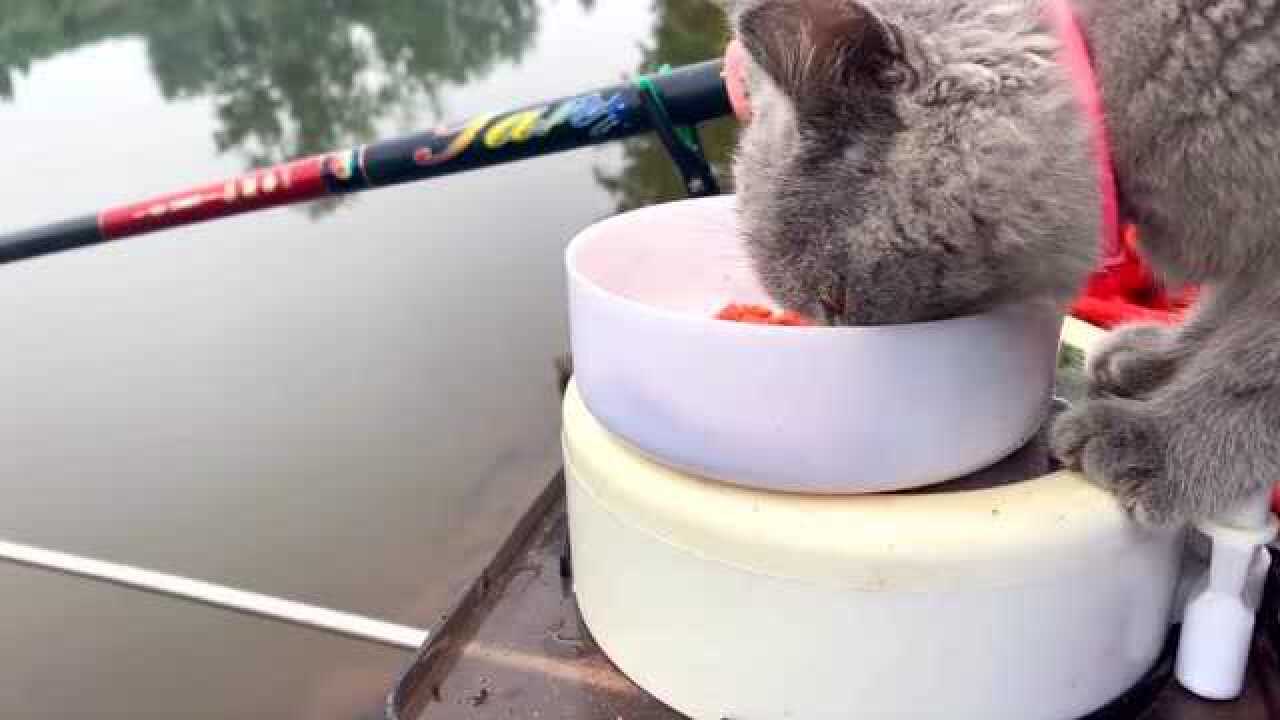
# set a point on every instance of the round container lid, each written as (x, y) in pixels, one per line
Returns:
(1007, 535)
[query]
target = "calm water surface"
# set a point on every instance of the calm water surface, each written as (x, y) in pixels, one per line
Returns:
(347, 404)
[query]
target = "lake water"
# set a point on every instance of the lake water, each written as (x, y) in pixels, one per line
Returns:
(347, 404)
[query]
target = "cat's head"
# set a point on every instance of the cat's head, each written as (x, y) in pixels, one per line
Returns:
(941, 131)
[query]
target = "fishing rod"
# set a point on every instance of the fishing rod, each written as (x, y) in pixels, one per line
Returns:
(672, 102)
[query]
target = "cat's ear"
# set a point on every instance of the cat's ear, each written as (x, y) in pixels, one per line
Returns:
(812, 48)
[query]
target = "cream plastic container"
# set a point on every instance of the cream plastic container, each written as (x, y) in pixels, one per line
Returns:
(1037, 600)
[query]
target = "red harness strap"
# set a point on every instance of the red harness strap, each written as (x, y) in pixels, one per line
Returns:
(1123, 290)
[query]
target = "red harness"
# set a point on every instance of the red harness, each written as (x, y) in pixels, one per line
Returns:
(1122, 289)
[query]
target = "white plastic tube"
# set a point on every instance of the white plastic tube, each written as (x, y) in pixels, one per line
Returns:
(1217, 626)
(220, 596)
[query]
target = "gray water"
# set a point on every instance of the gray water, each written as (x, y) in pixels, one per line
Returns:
(347, 404)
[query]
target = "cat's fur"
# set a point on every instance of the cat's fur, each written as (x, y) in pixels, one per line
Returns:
(917, 159)
(911, 164)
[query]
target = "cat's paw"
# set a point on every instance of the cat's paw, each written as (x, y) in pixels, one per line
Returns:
(1133, 361)
(1121, 446)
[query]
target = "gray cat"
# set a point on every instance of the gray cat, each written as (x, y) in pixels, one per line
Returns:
(918, 159)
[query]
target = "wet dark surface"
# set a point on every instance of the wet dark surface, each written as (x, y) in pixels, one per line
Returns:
(525, 652)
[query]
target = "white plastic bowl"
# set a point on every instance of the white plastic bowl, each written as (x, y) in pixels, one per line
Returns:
(817, 410)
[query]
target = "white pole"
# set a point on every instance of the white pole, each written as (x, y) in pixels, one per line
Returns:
(243, 601)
